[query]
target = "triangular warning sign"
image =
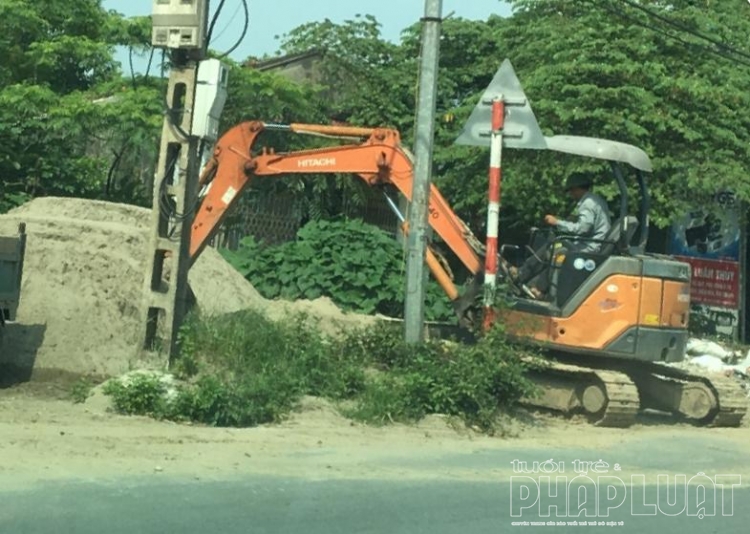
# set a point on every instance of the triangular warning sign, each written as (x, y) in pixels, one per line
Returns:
(521, 129)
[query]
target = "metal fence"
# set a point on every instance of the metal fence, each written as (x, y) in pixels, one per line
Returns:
(272, 220)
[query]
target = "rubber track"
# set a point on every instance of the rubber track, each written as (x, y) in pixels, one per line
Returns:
(623, 402)
(730, 397)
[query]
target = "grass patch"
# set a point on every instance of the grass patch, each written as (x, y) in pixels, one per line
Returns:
(81, 390)
(245, 369)
(474, 382)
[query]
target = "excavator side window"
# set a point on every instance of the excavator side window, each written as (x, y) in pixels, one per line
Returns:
(570, 269)
(567, 272)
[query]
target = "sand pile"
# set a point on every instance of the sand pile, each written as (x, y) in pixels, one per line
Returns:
(82, 294)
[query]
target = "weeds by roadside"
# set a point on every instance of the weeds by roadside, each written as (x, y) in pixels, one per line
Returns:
(81, 390)
(245, 369)
(474, 382)
(142, 394)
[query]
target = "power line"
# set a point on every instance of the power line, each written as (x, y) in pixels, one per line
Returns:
(672, 36)
(213, 21)
(244, 31)
(685, 28)
(228, 24)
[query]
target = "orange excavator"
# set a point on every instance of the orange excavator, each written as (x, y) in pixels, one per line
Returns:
(614, 320)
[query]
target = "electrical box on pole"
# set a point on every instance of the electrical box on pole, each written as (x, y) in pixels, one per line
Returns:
(210, 97)
(179, 24)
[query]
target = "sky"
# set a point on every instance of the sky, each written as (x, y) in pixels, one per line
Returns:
(277, 17)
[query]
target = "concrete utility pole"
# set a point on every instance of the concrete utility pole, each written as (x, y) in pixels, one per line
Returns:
(417, 239)
(180, 27)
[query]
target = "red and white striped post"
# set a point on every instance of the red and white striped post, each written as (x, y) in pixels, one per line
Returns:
(493, 210)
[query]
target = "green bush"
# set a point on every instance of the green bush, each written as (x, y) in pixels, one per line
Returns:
(142, 394)
(243, 369)
(475, 382)
(242, 402)
(357, 265)
(81, 390)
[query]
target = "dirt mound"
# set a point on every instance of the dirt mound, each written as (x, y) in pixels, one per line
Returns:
(82, 293)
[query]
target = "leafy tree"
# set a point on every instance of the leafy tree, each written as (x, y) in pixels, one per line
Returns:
(126, 137)
(60, 43)
(256, 95)
(594, 70)
(59, 60)
(74, 124)
(590, 67)
(371, 81)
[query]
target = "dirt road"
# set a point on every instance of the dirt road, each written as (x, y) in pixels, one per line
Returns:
(49, 438)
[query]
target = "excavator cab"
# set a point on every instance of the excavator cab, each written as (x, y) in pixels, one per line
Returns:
(618, 301)
(568, 271)
(617, 316)
(628, 235)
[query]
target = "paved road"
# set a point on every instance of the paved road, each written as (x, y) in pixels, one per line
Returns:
(422, 491)
(270, 505)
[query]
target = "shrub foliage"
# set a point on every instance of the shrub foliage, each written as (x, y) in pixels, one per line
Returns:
(358, 266)
(245, 370)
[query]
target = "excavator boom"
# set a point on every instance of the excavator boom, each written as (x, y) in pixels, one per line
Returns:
(379, 160)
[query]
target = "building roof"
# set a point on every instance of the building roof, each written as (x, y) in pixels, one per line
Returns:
(283, 61)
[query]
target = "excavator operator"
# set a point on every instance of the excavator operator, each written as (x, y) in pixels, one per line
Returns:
(586, 234)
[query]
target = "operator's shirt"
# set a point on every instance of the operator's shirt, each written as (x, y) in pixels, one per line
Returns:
(593, 222)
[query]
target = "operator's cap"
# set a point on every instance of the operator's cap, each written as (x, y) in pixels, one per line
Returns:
(577, 179)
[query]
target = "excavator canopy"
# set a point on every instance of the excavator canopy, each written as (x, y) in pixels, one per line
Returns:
(605, 149)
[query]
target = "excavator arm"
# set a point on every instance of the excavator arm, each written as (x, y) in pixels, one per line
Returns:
(228, 173)
(379, 160)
